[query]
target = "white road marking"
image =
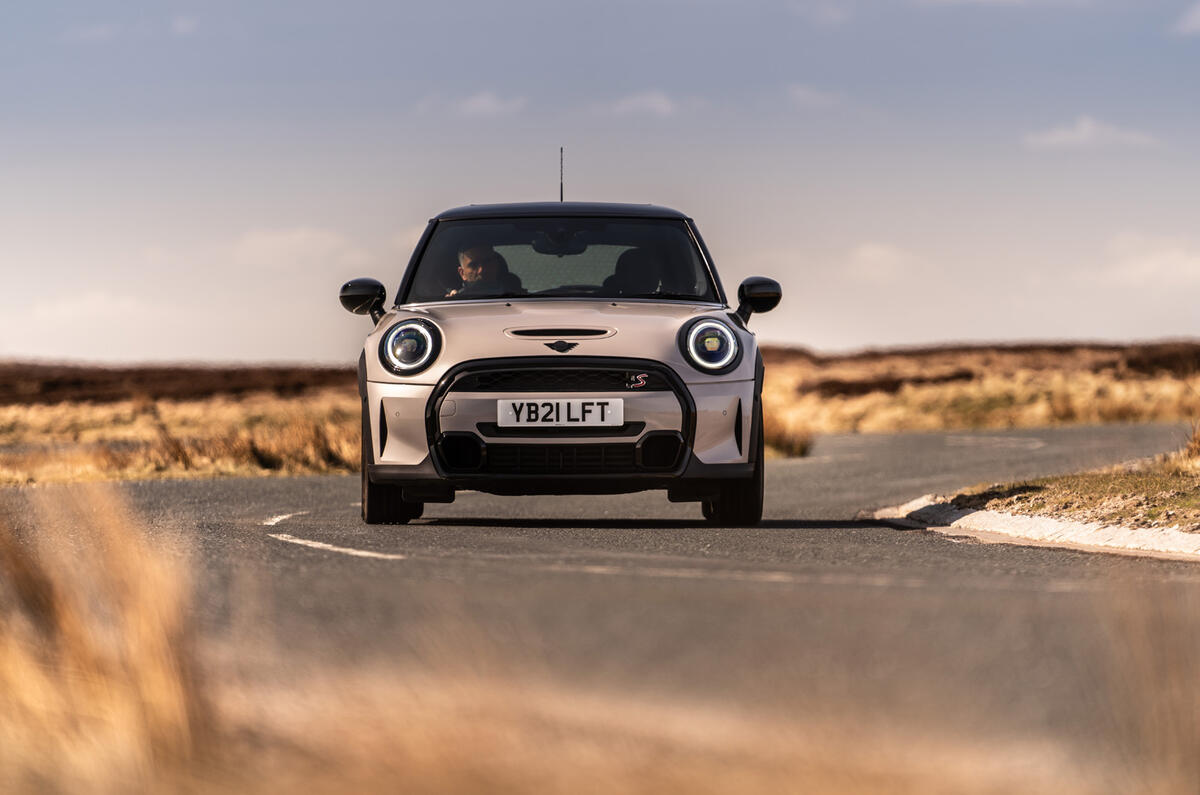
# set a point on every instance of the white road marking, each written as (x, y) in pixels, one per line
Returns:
(853, 580)
(274, 520)
(358, 553)
(850, 580)
(773, 577)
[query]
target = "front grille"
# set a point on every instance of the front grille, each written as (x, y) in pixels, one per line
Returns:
(567, 379)
(560, 459)
(493, 430)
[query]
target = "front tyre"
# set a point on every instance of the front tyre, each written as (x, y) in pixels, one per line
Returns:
(739, 503)
(381, 503)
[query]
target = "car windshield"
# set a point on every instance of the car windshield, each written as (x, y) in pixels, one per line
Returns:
(561, 257)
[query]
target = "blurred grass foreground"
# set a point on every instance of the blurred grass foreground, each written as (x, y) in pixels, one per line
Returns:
(101, 691)
(61, 423)
(107, 686)
(98, 686)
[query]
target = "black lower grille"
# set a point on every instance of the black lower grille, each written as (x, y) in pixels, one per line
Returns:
(561, 379)
(492, 430)
(560, 459)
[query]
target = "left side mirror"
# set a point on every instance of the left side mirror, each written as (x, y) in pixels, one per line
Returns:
(363, 297)
(757, 294)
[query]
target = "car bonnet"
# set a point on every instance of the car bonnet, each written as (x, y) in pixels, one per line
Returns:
(554, 329)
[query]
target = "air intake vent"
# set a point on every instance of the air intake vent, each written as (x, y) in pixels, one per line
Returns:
(462, 451)
(559, 333)
(660, 450)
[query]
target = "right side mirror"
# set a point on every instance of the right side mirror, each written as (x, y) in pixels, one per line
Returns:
(757, 294)
(363, 297)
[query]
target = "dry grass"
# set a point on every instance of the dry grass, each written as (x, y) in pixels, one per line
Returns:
(99, 692)
(1162, 492)
(786, 434)
(32, 382)
(260, 433)
(1191, 451)
(61, 423)
(1152, 687)
(517, 737)
(981, 387)
(97, 679)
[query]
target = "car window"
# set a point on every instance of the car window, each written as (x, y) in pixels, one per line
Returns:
(560, 257)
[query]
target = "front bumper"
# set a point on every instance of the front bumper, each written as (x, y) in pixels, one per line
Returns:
(434, 439)
(423, 483)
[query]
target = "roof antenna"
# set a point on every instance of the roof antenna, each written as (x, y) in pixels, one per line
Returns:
(560, 173)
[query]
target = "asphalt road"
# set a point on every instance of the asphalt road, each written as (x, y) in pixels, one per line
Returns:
(813, 612)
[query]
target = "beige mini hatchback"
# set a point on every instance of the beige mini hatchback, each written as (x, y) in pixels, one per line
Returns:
(561, 348)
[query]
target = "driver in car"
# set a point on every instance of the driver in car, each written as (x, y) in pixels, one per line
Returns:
(479, 267)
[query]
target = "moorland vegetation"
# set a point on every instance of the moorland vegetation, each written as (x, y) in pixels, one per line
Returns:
(67, 423)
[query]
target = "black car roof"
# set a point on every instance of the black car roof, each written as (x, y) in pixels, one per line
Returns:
(526, 209)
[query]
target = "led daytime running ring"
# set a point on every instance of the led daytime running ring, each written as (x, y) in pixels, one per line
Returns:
(391, 341)
(427, 331)
(722, 329)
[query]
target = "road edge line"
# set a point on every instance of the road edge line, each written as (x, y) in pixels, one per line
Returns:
(321, 545)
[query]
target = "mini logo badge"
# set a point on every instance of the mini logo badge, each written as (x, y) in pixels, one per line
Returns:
(636, 381)
(561, 346)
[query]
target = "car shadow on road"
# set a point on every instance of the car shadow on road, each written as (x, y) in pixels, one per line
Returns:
(649, 524)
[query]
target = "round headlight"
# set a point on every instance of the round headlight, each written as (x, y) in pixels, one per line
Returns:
(409, 346)
(711, 346)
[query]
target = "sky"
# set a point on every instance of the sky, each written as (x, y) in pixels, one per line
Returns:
(194, 181)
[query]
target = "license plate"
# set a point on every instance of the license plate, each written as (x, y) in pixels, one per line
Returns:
(574, 413)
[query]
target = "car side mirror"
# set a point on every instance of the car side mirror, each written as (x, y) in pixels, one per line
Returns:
(363, 297)
(757, 294)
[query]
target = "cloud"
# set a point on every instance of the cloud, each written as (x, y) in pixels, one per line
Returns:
(1004, 2)
(488, 103)
(1141, 261)
(1189, 23)
(298, 249)
(810, 98)
(107, 32)
(837, 13)
(879, 262)
(651, 103)
(99, 33)
(97, 324)
(89, 308)
(825, 13)
(184, 26)
(1087, 133)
